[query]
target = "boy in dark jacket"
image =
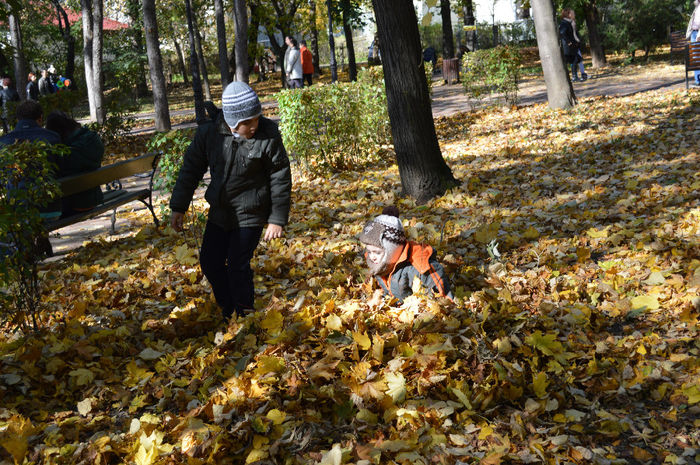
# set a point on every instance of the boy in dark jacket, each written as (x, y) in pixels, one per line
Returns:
(396, 262)
(250, 187)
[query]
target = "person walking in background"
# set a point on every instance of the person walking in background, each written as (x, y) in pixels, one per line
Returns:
(292, 63)
(32, 88)
(9, 94)
(570, 43)
(86, 152)
(307, 64)
(582, 71)
(692, 34)
(45, 84)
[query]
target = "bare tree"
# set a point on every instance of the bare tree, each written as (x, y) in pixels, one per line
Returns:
(596, 42)
(350, 44)
(448, 46)
(97, 76)
(221, 41)
(155, 65)
(181, 61)
(560, 92)
(64, 27)
(241, 45)
(331, 42)
(424, 173)
(199, 111)
(202, 62)
(20, 64)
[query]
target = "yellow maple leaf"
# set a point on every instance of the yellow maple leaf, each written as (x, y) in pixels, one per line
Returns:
(645, 302)
(539, 384)
(396, 386)
(272, 323)
(82, 376)
(362, 340)
(186, 255)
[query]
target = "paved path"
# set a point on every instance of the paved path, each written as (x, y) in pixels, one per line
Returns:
(447, 100)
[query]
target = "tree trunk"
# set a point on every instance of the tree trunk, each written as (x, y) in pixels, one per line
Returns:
(424, 173)
(86, 7)
(347, 30)
(181, 62)
(221, 40)
(596, 42)
(97, 76)
(331, 43)
(133, 9)
(64, 27)
(279, 51)
(200, 114)
(314, 41)
(20, 64)
(155, 65)
(560, 92)
(448, 43)
(242, 66)
(202, 61)
(469, 20)
(253, 42)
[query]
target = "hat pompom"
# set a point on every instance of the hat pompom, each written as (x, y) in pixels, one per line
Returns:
(391, 210)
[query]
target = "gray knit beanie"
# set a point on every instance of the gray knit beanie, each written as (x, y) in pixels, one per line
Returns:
(239, 103)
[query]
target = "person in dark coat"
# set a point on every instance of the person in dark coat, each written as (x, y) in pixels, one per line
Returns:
(29, 119)
(9, 94)
(86, 152)
(32, 87)
(250, 187)
(45, 87)
(396, 262)
(569, 42)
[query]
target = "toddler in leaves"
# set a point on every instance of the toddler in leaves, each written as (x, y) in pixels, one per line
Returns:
(395, 262)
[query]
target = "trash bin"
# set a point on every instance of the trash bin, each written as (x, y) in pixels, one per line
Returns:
(450, 70)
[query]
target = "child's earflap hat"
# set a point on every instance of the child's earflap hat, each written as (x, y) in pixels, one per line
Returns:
(384, 230)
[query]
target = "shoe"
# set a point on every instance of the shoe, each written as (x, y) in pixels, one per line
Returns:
(575, 79)
(584, 77)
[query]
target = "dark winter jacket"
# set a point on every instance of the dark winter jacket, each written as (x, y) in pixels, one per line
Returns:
(8, 94)
(415, 260)
(569, 43)
(86, 152)
(33, 91)
(250, 179)
(45, 87)
(28, 130)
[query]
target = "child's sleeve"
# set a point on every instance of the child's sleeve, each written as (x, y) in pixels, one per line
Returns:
(438, 279)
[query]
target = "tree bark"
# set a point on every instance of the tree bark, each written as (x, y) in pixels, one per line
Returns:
(202, 61)
(134, 11)
(596, 42)
(469, 20)
(181, 62)
(64, 27)
(253, 42)
(200, 114)
(347, 31)
(424, 173)
(221, 40)
(560, 92)
(86, 9)
(331, 43)
(314, 40)
(155, 65)
(242, 66)
(448, 43)
(97, 76)
(20, 64)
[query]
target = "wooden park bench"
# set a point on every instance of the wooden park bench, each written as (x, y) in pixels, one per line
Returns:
(115, 194)
(678, 42)
(692, 59)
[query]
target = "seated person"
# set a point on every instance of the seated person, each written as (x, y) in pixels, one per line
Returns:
(395, 262)
(29, 119)
(86, 152)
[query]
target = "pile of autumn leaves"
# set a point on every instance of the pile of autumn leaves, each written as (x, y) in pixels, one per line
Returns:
(573, 339)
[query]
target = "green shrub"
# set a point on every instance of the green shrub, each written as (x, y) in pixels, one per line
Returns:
(26, 182)
(338, 126)
(494, 70)
(63, 101)
(429, 75)
(118, 123)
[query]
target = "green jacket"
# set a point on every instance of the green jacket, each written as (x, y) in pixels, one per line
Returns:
(86, 152)
(251, 180)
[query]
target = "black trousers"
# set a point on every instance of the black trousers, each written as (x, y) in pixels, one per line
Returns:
(225, 259)
(308, 79)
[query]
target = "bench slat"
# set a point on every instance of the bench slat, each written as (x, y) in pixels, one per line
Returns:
(121, 198)
(81, 182)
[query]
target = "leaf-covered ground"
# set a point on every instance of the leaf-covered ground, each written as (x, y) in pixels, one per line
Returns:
(576, 342)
